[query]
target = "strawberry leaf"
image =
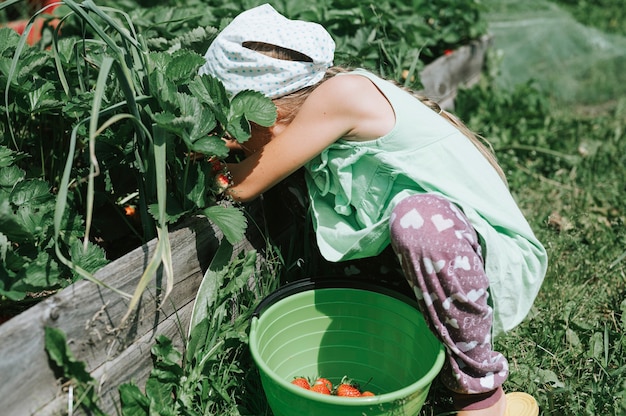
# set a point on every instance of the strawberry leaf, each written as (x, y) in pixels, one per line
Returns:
(10, 224)
(42, 273)
(61, 355)
(183, 66)
(198, 121)
(173, 210)
(134, 403)
(211, 92)
(90, 259)
(230, 220)
(10, 175)
(210, 145)
(31, 192)
(249, 106)
(8, 39)
(6, 157)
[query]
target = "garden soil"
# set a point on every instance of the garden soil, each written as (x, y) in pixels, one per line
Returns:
(536, 40)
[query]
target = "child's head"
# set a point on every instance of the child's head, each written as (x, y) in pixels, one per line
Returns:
(264, 51)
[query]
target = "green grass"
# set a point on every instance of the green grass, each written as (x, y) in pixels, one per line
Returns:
(570, 353)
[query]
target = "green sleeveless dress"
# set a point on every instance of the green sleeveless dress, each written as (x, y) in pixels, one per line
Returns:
(354, 186)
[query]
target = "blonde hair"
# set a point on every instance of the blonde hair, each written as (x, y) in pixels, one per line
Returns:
(287, 106)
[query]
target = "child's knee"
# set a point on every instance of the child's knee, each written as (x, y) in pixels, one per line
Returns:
(426, 220)
(409, 216)
(412, 212)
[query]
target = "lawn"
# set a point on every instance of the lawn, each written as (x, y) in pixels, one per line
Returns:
(565, 155)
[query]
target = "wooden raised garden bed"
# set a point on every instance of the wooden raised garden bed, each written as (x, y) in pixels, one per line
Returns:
(460, 68)
(89, 315)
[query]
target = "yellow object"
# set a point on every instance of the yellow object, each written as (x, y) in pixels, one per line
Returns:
(521, 404)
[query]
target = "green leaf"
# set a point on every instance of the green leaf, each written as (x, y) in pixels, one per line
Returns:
(183, 66)
(157, 410)
(31, 64)
(36, 218)
(44, 97)
(210, 145)
(164, 352)
(7, 157)
(249, 106)
(164, 89)
(193, 122)
(596, 346)
(239, 129)
(230, 220)
(173, 210)
(198, 120)
(11, 175)
(199, 328)
(193, 183)
(10, 225)
(15, 295)
(244, 271)
(31, 192)
(208, 292)
(197, 38)
(160, 394)
(133, 402)
(61, 355)
(42, 273)
(255, 107)
(8, 39)
(549, 377)
(211, 91)
(7, 277)
(90, 259)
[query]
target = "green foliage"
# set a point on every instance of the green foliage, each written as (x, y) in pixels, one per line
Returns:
(388, 37)
(109, 119)
(567, 172)
(607, 15)
(28, 262)
(74, 372)
(136, 66)
(214, 375)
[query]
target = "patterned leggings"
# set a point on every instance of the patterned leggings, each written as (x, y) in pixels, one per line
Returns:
(441, 257)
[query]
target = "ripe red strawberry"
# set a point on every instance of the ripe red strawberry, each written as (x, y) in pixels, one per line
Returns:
(320, 388)
(367, 394)
(301, 382)
(325, 382)
(222, 181)
(347, 390)
(216, 165)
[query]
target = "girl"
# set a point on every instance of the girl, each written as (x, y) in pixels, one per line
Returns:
(386, 167)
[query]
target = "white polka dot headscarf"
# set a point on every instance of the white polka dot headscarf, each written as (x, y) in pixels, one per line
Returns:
(240, 68)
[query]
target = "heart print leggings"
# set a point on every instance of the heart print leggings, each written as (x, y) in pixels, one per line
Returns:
(441, 258)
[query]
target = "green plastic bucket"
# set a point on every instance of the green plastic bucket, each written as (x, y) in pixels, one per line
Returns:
(336, 328)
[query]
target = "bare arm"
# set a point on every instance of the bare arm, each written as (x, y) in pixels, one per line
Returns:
(325, 116)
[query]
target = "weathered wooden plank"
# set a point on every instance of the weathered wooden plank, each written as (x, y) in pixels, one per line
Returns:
(131, 365)
(462, 68)
(89, 315)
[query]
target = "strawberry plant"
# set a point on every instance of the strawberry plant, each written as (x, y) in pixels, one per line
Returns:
(29, 266)
(108, 119)
(215, 373)
(387, 36)
(108, 110)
